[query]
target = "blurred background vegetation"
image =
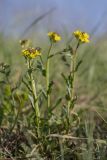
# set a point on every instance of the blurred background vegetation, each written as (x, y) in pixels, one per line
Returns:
(32, 19)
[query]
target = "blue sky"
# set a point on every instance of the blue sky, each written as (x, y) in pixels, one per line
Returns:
(16, 15)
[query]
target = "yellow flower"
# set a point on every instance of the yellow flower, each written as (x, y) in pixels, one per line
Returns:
(54, 36)
(81, 36)
(31, 52)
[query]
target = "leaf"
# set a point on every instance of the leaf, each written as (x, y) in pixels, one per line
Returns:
(101, 141)
(73, 102)
(64, 111)
(39, 65)
(68, 80)
(27, 85)
(64, 77)
(64, 58)
(41, 68)
(44, 93)
(32, 101)
(67, 96)
(44, 72)
(77, 66)
(50, 87)
(57, 103)
(68, 49)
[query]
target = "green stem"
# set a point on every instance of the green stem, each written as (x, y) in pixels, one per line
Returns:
(73, 65)
(48, 75)
(72, 71)
(73, 75)
(35, 98)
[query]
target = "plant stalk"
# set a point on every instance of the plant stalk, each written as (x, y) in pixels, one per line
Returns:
(35, 98)
(48, 75)
(72, 72)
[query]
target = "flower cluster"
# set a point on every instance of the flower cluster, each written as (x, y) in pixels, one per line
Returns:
(81, 36)
(54, 36)
(31, 52)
